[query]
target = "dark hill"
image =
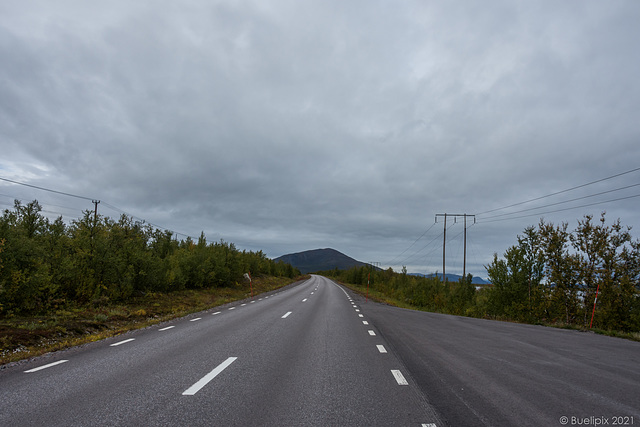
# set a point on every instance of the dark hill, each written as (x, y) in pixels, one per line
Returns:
(320, 260)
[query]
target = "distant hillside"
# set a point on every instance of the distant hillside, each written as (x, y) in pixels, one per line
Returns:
(319, 260)
(454, 278)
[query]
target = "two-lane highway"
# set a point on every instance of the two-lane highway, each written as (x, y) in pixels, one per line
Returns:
(306, 355)
(315, 354)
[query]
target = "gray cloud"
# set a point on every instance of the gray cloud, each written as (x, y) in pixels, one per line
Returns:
(288, 126)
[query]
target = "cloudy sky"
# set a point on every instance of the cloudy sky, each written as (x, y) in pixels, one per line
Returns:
(284, 126)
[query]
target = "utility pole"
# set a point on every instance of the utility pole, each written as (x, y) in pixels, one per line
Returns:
(444, 251)
(444, 243)
(464, 257)
(95, 222)
(95, 212)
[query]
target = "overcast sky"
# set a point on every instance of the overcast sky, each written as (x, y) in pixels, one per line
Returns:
(285, 126)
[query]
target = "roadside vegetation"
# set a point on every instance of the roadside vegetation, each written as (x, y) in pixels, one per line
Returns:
(549, 277)
(63, 285)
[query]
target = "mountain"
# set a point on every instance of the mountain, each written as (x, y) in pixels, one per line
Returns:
(454, 278)
(320, 260)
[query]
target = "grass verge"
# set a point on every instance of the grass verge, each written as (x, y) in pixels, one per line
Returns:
(23, 337)
(386, 299)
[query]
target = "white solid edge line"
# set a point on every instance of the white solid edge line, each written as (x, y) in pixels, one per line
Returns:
(381, 348)
(399, 377)
(339, 287)
(211, 375)
(286, 314)
(45, 366)
(372, 333)
(115, 344)
(197, 318)
(167, 328)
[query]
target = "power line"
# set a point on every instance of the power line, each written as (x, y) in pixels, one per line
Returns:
(563, 202)
(43, 204)
(410, 246)
(46, 189)
(93, 200)
(562, 210)
(143, 220)
(560, 192)
(415, 254)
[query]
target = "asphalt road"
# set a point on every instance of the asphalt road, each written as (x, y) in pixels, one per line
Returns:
(479, 372)
(315, 354)
(306, 355)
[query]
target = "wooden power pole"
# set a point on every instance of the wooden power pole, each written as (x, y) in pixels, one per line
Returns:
(95, 212)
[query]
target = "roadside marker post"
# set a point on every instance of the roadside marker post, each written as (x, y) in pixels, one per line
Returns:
(368, 278)
(248, 276)
(594, 306)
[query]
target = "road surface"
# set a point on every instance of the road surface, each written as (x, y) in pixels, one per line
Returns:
(315, 354)
(303, 356)
(478, 372)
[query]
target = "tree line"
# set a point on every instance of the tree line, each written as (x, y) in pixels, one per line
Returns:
(550, 276)
(553, 275)
(47, 264)
(426, 293)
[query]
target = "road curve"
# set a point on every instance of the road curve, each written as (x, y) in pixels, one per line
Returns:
(305, 355)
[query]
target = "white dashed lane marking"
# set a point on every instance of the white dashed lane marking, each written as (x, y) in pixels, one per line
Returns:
(207, 378)
(373, 334)
(381, 348)
(167, 328)
(45, 366)
(196, 319)
(399, 377)
(122, 342)
(286, 315)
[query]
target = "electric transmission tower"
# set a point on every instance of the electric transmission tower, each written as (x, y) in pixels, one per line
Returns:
(444, 242)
